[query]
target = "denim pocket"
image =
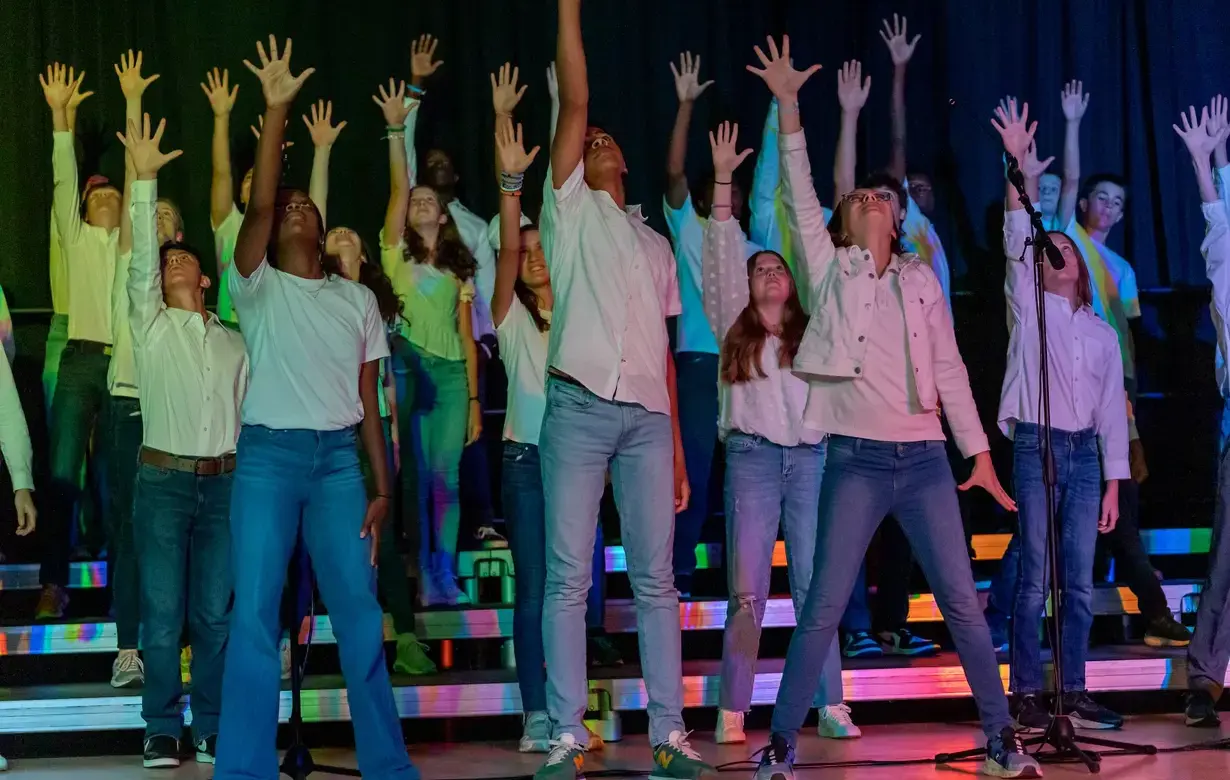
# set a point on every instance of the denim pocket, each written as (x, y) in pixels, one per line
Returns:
(565, 395)
(515, 451)
(154, 474)
(738, 443)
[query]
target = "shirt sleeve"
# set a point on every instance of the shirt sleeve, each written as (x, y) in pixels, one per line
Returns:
(811, 246)
(144, 282)
(951, 377)
(1223, 185)
(1216, 251)
(1019, 278)
(558, 207)
(14, 434)
(1129, 296)
(1111, 420)
(6, 329)
(766, 191)
(672, 305)
(225, 236)
(375, 339)
(411, 125)
(65, 203)
(724, 290)
(244, 290)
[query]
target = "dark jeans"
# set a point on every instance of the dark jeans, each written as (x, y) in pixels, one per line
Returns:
(1133, 567)
(1210, 648)
(123, 442)
(696, 376)
(287, 480)
(1078, 501)
(79, 402)
(891, 609)
(525, 520)
(182, 525)
(864, 482)
(391, 579)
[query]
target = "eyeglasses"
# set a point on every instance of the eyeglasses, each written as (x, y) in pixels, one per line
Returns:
(297, 205)
(868, 196)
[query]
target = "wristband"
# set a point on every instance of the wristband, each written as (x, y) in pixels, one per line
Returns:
(715, 181)
(417, 91)
(510, 183)
(473, 398)
(791, 107)
(395, 128)
(384, 495)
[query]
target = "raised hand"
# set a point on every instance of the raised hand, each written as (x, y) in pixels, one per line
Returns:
(257, 132)
(505, 95)
(59, 85)
(220, 93)
(1031, 166)
(421, 53)
(1074, 100)
(779, 73)
(393, 103)
(510, 147)
(852, 91)
(143, 150)
(277, 83)
(552, 83)
(725, 147)
(132, 84)
(1015, 130)
(687, 78)
(1004, 101)
(896, 38)
(1219, 125)
(321, 126)
(75, 99)
(1195, 133)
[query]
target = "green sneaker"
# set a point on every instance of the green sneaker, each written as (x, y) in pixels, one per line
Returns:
(675, 759)
(411, 656)
(566, 761)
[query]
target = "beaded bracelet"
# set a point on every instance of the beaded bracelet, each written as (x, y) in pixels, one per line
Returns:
(510, 183)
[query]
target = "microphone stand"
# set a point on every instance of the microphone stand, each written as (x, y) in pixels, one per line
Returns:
(1061, 735)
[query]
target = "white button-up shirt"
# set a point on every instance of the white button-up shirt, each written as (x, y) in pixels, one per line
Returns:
(192, 371)
(122, 369)
(14, 434)
(615, 285)
(1086, 374)
(1216, 250)
(772, 406)
(87, 252)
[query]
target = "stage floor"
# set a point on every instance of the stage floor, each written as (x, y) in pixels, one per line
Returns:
(474, 761)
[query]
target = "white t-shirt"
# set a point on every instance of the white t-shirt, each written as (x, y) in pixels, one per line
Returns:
(307, 339)
(523, 348)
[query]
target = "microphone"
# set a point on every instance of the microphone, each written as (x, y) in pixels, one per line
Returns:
(1053, 256)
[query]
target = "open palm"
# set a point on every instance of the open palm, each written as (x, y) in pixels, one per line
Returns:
(510, 145)
(1195, 133)
(143, 149)
(725, 147)
(321, 126)
(392, 103)
(277, 82)
(778, 72)
(1014, 128)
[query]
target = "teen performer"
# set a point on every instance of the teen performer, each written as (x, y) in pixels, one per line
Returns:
(773, 464)
(610, 401)
(878, 356)
(1209, 652)
(315, 341)
(1088, 417)
(433, 272)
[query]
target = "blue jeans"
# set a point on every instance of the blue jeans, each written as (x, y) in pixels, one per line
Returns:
(284, 480)
(1209, 651)
(1078, 499)
(696, 375)
(525, 522)
(865, 481)
(768, 486)
(123, 442)
(1001, 600)
(581, 435)
(183, 535)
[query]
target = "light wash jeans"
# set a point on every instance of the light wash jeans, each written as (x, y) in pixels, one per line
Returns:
(581, 435)
(1209, 651)
(1078, 500)
(767, 486)
(864, 482)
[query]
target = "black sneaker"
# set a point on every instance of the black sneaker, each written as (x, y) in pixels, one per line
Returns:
(1201, 712)
(1000, 628)
(1032, 715)
(903, 642)
(207, 750)
(161, 752)
(602, 652)
(1006, 757)
(861, 644)
(776, 761)
(1167, 632)
(1088, 714)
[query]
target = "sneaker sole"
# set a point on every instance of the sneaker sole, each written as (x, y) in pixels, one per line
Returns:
(992, 769)
(534, 746)
(1093, 725)
(730, 740)
(135, 682)
(864, 654)
(906, 653)
(204, 758)
(829, 735)
(160, 763)
(1211, 722)
(1160, 641)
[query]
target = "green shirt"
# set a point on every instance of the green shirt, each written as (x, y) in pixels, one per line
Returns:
(431, 298)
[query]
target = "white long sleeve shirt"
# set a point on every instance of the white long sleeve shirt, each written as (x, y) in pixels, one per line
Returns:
(14, 434)
(771, 407)
(88, 253)
(1216, 251)
(1220, 370)
(1086, 373)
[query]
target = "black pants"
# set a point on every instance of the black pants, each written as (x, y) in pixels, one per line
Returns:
(1133, 567)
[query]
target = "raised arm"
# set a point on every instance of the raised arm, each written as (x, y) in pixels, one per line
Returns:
(901, 49)
(1200, 144)
(852, 93)
(279, 88)
(1075, 102)
(723, 275)
(59, 84)
(221, 184)
(553, 91)
(568, 146)
(687, 88)
(514, 161)
(765, 223)
(393, 106)
(133, 85)
(422, 65)
(324, 134)
(1018, 136)
(1219, 127)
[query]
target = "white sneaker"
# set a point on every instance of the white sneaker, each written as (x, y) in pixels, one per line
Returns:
(729, 728)
(127, 671)
(835, 723)
(284, 652)
(536, 733)
(4, 764)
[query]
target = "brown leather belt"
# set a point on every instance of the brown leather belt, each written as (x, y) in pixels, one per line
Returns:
(202, 467)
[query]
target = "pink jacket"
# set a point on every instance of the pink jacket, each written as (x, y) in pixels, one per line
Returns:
(840, 283)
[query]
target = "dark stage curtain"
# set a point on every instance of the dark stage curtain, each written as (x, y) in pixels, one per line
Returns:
(1141, 59)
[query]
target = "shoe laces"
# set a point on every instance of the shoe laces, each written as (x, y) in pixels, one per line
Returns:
(732, 718)
(410, 640)
(679, 741)
(776, 752)
(562, 748)
(128, 662)
(840, 713)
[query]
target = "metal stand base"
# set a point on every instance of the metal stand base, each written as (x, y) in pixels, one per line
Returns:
(1065, 746)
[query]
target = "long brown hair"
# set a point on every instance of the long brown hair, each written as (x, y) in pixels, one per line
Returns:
(451, 252)
(745, 339)
(529, 298)
(1084, 286)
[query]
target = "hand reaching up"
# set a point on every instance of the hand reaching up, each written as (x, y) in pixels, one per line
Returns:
(852, 91)
(505, 94)
(60, 84)
(1031, 166)
(132, 84)
(1015, 129)
(421, 53)
(392, 103)
(324, 133)
(552, 83)
(1196, 136)
(1074, 100)
(260, 120)
(779, 73)
(725, 147)
(220, 93)
(277, 83)
(510, 147)
(896, 37)
(687, 78)
(1219, 125)
(143, 150)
